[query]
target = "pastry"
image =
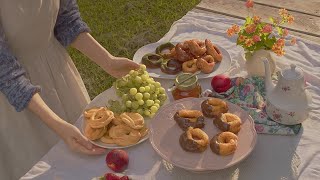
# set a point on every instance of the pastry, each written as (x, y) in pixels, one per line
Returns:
(189, 118)
(194, 140)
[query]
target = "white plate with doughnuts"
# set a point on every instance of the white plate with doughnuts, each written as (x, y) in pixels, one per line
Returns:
(101, 101)
(219, 68)
(165, 133)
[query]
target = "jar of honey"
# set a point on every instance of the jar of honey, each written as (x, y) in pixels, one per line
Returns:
(186, 88)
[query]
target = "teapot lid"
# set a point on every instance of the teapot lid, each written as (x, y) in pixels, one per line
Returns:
(292, 73)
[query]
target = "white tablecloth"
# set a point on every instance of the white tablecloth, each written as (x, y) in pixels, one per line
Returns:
(274, 157)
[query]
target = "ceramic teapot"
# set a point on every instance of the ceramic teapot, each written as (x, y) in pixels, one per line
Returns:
(288, 102)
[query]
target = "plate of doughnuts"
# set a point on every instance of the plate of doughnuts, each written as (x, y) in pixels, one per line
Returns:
(167, 60)
(107, 129)
(202, 134)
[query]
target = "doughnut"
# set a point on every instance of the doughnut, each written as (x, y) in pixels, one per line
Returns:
(224, 143)
(152, 60)
(190, 66)
(213, 50)
(166, 46)
(94, 133)
(181, 54)
(107, 139)
(206, 64)
(117, 120)
(171, 66)
(195, 48)
(123, 135)
(186, 118)
(98, 117)
(214, 107)
(133, 120)
(228, 122)
(194, 140)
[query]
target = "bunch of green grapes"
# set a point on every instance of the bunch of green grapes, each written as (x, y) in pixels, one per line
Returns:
(139, 93)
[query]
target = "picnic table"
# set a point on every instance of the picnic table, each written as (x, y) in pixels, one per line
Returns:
(274, 157)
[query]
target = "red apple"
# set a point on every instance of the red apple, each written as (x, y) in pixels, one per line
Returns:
(117, 160)
(220, 83)
(111, 176)
(124, 178)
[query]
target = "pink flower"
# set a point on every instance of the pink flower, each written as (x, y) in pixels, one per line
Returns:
(259, 128)
(267, 29)
(285, 32)
(256, 38)
(249, 4)
(250, 28)
(242, 38)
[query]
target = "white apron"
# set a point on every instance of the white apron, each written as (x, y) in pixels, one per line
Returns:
(24, 139)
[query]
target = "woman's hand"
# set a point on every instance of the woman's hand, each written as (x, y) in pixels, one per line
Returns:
(120, 66)
(76, 141)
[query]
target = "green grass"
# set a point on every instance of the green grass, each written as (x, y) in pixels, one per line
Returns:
(122, 27)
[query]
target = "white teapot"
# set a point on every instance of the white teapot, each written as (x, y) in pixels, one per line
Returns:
(288, 102)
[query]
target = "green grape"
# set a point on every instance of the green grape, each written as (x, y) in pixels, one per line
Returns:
(125, 97)
(162, 90)
(154, 109)
(157, 105)
(128, 104)
(157, 84)
(140, 102)
(149, 102)
(144, 77)
(134, 74)
(138, 80)
(147, 113)
(135, 105)
(150, 81)
(157, 91)
(130, 84)
(131, 72)
(162, 97)
(140, 111)
(154, 96)
(142, 89)
(133, 91)
(122, 83)
(147, 88)
(157, 101)
(143, 67)
(152, 115)
(152, 87)
(146, 96)
(138, 96)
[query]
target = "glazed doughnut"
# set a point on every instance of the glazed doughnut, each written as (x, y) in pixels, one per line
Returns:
(94, 133)
(171, 66)
(123, 135)
(195, 48)
(181, 54)
(224, 143)
(206, 64)
(213, 50)
(163, 47)
(133, 120)
(194, 140)
(152, 60)
(190, 66)
(214, 107)
(98, 117)
(228, 122)
(189, 118)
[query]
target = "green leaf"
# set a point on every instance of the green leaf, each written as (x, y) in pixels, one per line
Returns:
(280, 31)
(271, 20)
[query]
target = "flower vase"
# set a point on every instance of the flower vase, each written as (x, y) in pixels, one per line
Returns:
(255, 65)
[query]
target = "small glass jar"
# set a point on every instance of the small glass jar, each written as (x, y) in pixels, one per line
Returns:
(188, 88)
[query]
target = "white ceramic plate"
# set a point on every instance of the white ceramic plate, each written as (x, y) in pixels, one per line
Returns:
(219, 68)
(102, 100)
(165, 134)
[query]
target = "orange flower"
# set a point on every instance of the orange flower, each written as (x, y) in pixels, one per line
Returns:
(249, 42)
(293, 41)
(242, 38)
(283, 12)
(251, 28)
(230, 32)
(290, 19)
(256, 19)
(249, 4)
(235, 28)
(278, 47)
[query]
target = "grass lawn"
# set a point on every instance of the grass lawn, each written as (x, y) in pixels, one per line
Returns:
(122, 27)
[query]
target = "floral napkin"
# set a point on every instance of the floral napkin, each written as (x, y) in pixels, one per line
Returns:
(249, 94)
